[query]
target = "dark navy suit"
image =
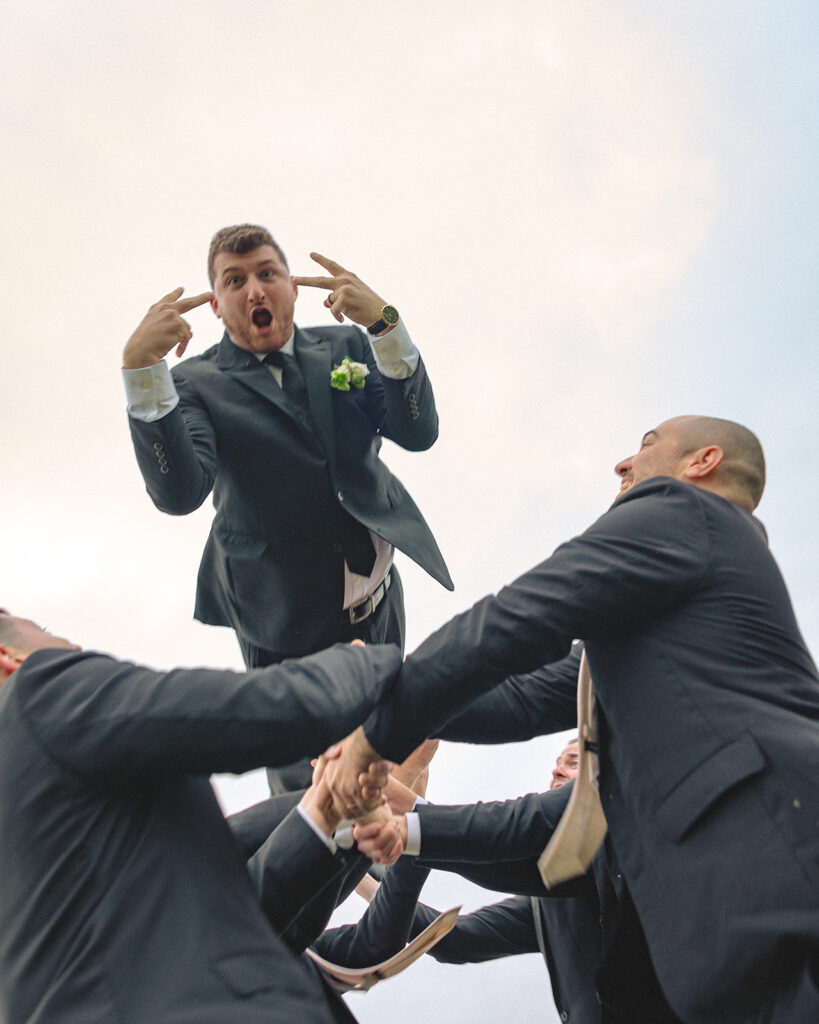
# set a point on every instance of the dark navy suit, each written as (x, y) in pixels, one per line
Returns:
(125, 897)
(708, 703)
(565, 931)
(273, 565)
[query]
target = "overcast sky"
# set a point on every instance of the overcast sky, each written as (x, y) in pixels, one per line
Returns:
(593, 215)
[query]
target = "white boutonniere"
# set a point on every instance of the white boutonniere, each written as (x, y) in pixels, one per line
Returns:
(347, 373)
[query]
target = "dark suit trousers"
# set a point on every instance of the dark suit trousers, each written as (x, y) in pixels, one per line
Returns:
(385, 626)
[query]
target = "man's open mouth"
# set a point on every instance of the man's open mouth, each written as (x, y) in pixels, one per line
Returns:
(261, 317)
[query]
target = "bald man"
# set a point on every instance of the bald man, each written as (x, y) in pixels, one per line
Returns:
(702, 675)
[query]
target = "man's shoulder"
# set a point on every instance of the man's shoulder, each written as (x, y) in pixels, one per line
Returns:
(670, 500)
(338, 335)
(50, 662)
(46, 681)
(195, 366)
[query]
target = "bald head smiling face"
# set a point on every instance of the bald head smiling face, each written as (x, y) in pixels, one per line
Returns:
(717, 455)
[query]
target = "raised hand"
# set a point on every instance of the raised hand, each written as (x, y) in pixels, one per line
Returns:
(161, 329)
(349, 296)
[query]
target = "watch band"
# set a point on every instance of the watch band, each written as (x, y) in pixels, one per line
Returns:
(388, 318)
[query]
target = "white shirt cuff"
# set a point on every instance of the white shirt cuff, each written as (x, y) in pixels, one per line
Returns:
(328, 842)
(395, 353)
(150, 392)
(344, 834)
(413, 834)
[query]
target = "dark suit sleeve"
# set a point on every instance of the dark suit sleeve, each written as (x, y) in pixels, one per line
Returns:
(252, 826)
(497, 844)
(257, 831)
(402, 410)
(290, 868)
(117, 722)
(639, 560)
(521, 707)
(384, 929)
(177, 453)
(501, 929)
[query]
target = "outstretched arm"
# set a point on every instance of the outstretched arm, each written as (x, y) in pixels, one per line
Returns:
(384, 928)
(521, 707)
(500, 929)
(124, 723)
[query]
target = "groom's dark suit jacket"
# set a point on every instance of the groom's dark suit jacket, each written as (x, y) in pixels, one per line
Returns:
(125, 897)
(709, 734)
(272, 567)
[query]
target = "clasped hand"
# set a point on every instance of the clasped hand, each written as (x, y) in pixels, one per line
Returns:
(333, 798)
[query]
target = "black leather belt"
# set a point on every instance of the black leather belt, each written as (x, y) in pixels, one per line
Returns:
(359, 612)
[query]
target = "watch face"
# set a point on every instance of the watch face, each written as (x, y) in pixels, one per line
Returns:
(389, 314)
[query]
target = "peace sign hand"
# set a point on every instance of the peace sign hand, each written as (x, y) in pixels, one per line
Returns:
(348, 294)
(161, 328)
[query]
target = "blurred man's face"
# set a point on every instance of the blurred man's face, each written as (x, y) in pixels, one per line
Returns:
(566, 768)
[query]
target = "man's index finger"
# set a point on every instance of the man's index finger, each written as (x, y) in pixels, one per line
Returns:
(328, 264)
(315, 282)
(186, 305)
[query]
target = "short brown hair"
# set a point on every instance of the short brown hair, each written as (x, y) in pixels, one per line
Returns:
(239, 239)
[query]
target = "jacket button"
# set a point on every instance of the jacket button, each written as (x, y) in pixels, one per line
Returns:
(337, 548)
(564, 1015)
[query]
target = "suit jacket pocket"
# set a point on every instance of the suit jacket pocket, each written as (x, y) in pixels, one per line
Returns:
(240, 545)
(247, 973)
(732, 764)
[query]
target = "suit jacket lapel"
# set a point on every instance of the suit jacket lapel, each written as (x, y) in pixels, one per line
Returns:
(314, 355)
(245, 368)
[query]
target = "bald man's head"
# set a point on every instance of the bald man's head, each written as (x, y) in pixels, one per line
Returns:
(743, 459)
(715, 454)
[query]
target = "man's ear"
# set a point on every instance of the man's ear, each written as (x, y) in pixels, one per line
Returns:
(703, 462)
(10, 661)
(295, 287)
(214, 305)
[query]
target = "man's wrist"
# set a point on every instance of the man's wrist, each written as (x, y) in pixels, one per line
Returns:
(149, 392)
(387, 319)
(318, 806)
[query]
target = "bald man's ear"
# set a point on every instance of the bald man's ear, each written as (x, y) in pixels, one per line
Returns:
(702, 463)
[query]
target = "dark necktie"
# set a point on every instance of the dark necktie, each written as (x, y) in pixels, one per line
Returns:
(292, 382)
(357, 545)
